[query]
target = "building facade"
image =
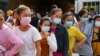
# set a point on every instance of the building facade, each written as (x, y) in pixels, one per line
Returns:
(88, 4)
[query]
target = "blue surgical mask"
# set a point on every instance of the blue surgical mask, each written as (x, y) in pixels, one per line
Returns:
(84, 20)
(68, 23)
(57, 20)
(92, 22)
(45, 28)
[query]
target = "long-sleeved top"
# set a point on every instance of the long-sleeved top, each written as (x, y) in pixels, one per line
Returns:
(48, 44)
(62, 40)
(86, 49)
(9, 42)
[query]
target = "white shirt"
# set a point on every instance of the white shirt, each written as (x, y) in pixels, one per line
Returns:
(52, 44)
(29, 37)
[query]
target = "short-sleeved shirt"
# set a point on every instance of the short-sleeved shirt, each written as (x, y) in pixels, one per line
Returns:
(29, 37)
(74, 34)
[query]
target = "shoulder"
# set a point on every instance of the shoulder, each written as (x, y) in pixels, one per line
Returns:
(61, 27)
(5, 27)
(74, 28)
(15, 28)
(33, 28)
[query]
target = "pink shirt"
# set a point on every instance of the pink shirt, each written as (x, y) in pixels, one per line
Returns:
(9, 41)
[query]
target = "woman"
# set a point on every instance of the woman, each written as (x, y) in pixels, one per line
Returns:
(96, 36)
(10, 44)
(87, 29)
(27, 33)
(48, 42)
(60, 33)
(73, 31)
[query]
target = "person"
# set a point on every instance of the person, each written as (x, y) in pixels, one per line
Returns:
(92, 16)
(10, 44)
(87, 30)
(35, 20)
(96, 36)
(72, 11)
(47, 16)
(60, 33)
(73, 31)
(29, 34)
(10, 20)
(48, 42)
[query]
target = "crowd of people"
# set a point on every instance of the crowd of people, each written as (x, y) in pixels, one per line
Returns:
(58, 33)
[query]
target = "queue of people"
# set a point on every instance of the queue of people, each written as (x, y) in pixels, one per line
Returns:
(59, 34)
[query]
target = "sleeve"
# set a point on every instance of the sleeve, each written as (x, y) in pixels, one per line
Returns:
(36, 35)
(79, 34)
(52, 42)
(16, 41)
(2, 48)
(65, 42)
(90, 34)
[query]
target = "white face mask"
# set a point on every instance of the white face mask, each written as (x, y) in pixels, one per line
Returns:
(57, 20)
(45, 28)
(97, 23)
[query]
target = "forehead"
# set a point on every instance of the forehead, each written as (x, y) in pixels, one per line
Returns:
(69, 18)
(27, 11)
(58, 12)
(46, 23)
(98, 19)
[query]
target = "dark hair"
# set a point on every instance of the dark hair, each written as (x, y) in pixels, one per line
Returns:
(92, 12)
(90, 20)
(41, 22)
(53, 11)
(65, 16)
(19, 10)
(54, 6)
(81, 12)
(96, 17)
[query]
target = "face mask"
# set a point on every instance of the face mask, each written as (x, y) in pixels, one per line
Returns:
(69, 24)
(45, 28)
(92, 22)
(84, 20)
(25, 20)
(57, 20)
(97, 23)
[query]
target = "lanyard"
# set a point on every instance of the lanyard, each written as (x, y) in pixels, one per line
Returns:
(82, 28)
